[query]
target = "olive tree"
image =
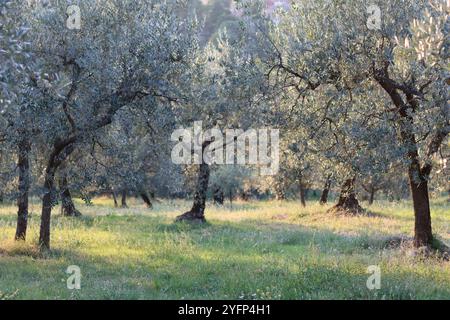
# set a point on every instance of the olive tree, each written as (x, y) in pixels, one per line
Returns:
(349, 46)
(124, 53)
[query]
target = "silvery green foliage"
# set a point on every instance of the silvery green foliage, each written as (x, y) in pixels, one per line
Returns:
(127, 55)
(124, 50)
(322, 57)
(13, 51)
(132, 153)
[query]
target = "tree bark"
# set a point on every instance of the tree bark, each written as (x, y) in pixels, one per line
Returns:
(419, 189)
(348, 203)
(302, 194)
(146, 199)
(47, 204)
(218, 196)
(24, 186)
(197, 213)
(67, 206)
(371, 195)
(116, 204)
(61, 150)
(325, 191)
(124, 199)
(418, 176)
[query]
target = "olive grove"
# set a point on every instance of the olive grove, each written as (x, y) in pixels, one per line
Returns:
(360, 99)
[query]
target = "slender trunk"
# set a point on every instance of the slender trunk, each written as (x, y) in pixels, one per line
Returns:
(115, 199)
(67, 206)
(302, 189)
(197, 213)
(1, 197)
(47, 204)
(325, 191)
(24, 186)
(372, 195)
(60, 152)
(348, 203)
(218, 196)
(230, 196)
(302, 194)
(146, 199)
(124, 199)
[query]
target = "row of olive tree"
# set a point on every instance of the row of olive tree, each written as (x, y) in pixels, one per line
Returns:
(331, 60)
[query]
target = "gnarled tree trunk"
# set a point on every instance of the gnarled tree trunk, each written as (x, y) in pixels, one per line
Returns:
(61, 150)
(146, 199)
(23, 164)
(197, 213)
(348, 203)
(218, 196)
(67, 206)
(124, 198)
(418, 175)
(325, 191)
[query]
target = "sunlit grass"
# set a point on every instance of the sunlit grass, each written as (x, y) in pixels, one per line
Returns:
(250, 250)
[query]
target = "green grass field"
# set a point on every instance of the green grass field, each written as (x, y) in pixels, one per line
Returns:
(255, 250)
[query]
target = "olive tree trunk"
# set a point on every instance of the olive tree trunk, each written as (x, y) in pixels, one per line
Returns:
(418, 174)
(218, 196)
(124, 199)
(197, 213)
(146, 199)
(67, 206)
(61, 150)
(23, 165)
(325, 191)
(116, 204)
(348, 203)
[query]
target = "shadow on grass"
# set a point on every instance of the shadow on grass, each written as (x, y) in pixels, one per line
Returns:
(229, 260)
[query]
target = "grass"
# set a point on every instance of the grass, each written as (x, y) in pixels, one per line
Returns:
(255, 250)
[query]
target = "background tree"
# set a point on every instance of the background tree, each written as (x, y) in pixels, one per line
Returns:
(323, 43)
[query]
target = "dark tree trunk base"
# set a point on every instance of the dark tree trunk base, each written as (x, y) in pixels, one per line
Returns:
(67, 206)
(146, 200)
(191, 216)
(124, 204)
(348, 208)
(71, 212)
(116, 204)
(197, 213)
(218, 197)
(348, 204)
